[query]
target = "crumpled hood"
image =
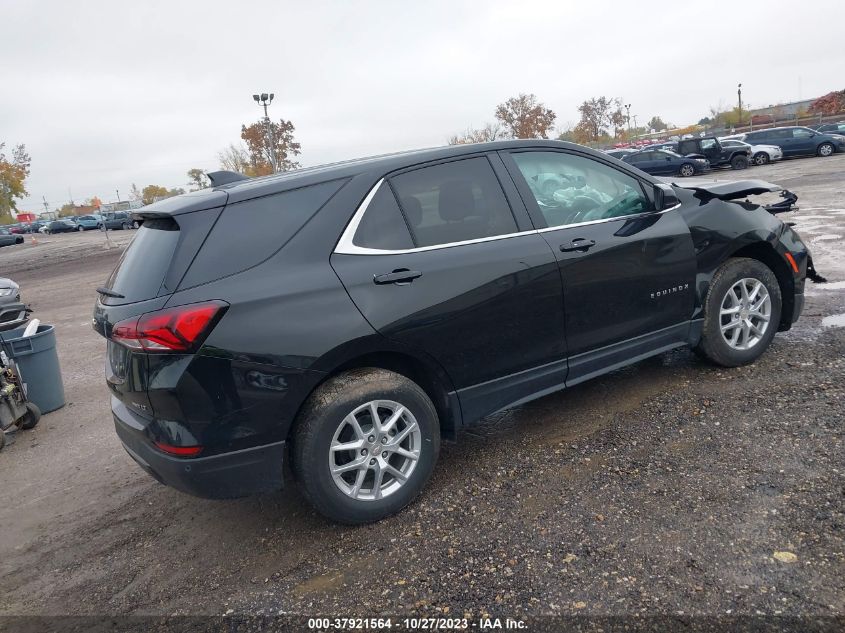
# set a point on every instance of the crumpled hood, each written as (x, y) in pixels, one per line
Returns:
(7, 283)
(726, 190)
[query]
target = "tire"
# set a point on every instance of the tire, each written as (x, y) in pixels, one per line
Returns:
(323, 421)
(760, 158)
(80, 228)
(687, 170)
(136, 224)
(19, 239)
(31, 417)
(2, 439)
(740, 161)
(125, 226)
(825, 149)
(714, 345)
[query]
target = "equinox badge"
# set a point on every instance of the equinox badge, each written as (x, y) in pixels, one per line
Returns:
(669, 291)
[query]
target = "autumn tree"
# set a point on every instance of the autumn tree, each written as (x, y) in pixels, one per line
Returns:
(266, 142)
(525, 117)
(598, 116)
(151, 193)
(657, 124)
(831, 103)
(14, 171)
(197, 178)
(489, 132)
(135, 193)
(95, 202)
(236, 158)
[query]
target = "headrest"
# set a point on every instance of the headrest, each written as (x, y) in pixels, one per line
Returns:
(456, 201)
(413, 210)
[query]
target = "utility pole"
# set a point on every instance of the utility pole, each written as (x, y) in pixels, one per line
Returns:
(46, 205)
(117, 191)
(739, 98)
(628, 117)
(264, 100)
(636, 126)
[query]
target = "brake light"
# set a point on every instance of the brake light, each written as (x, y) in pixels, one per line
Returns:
(178, 329)
(179, 451)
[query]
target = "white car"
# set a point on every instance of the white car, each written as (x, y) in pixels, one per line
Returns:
(760, 154)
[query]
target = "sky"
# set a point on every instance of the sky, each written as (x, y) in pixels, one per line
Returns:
(109, 93)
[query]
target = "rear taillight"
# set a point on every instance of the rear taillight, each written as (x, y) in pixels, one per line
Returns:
(178, 329)
(179, 451)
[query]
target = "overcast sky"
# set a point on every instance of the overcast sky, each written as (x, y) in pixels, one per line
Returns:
(109, 93)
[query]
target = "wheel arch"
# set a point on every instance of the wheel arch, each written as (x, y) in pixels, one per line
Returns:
(428, 375)
(765, 253)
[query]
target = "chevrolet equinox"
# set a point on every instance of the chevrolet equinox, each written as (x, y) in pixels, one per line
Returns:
(346, 317)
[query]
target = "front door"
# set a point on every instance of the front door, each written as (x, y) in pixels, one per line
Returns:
(628, 271)
(440, 263)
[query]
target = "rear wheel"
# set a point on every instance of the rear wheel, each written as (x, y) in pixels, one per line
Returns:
(760, 158)
(31, 417)
(80, 228)
(687, 170)
(365, 444)
(826, 149)
(740, 161)
(741, 313)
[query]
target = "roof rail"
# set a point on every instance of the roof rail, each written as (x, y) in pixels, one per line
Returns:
(224, 177)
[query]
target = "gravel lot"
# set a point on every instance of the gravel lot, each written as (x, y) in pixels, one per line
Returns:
(670, 487)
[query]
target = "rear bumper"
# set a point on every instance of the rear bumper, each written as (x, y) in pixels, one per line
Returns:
(224, 476)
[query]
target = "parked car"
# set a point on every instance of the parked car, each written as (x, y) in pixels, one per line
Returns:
(832, 128)
(7, 238)
(344, 317)
(117, 220)
(620, 153)
(60, 226)
(88, 222)
(797, 141)
(760, 154)
(10, 292)
(664, 162)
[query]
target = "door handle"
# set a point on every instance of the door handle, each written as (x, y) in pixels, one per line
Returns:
(397, 276)
(578, 244)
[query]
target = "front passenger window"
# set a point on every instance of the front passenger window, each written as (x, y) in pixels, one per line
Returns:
(571, 189)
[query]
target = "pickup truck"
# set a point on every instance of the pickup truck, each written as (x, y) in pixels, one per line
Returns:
(710, 148)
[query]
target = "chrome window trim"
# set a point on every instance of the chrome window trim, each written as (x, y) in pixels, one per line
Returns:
(345, 245)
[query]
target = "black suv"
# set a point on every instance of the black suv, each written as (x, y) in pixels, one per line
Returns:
(346, 316)
(717, 154)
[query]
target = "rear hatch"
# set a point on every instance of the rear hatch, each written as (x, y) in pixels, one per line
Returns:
(146, 275)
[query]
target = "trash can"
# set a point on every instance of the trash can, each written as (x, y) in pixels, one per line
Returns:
(38, 364)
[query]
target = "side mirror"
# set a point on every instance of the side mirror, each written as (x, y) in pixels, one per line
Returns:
(665, 197)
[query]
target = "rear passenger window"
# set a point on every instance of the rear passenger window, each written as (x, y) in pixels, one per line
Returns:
(453, 202)
(383, 226)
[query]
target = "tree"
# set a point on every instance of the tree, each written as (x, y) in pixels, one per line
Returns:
(95, 202)
(598, 115)
(268, 140)
(196, 178)
(236, 158)
(135, 193)
(657, 124)
(525, 117)
(151, 193)
(831, 103)
(489, 132)
(13, 174)
(67, 209)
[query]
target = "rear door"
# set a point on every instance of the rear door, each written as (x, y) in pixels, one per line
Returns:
(803, 141)
(628, 272)
(438, 260)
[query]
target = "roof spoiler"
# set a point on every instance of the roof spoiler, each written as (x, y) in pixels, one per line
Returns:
(224, 177)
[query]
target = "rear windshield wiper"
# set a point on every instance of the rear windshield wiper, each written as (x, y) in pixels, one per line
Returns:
(110, 293)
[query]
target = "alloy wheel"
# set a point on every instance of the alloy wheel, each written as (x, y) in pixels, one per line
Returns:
(761, 159)
(825, 149)
(374, 450)
(687, 170)
(745, 313)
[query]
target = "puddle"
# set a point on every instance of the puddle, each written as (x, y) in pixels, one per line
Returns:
(827, 237)
(835, 320)
(834, 285)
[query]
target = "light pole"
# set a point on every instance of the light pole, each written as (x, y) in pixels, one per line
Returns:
(628, 116)
(264, 100)
(739, 98)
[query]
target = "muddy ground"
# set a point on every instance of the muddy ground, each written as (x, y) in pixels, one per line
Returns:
(666, 487)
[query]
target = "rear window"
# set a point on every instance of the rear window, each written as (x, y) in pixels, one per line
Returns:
(251, 231)
(141, 270)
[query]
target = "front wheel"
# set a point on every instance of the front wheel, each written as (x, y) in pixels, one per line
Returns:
(686, 170)
(741, 313)
(739, 162)
(80, 228)
(365, 444)
(760, 158)
(31, 417)
(826, 149)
